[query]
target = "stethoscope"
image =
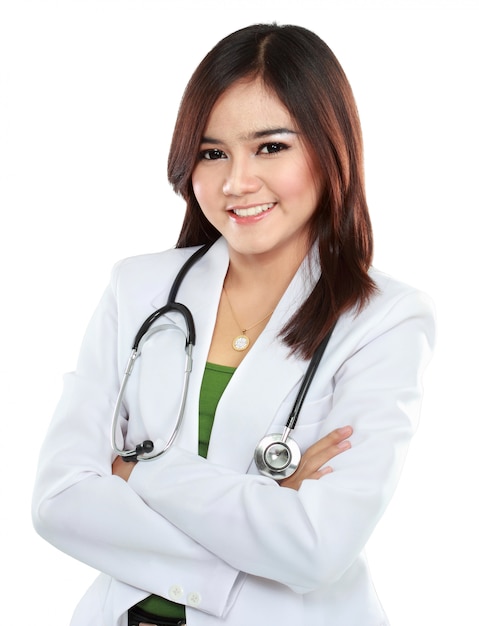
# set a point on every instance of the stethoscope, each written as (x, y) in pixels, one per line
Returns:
(276, 455)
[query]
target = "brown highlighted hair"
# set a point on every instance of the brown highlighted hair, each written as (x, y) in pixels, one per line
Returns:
(302, 71)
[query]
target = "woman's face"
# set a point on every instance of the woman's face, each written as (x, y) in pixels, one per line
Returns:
(254, 179)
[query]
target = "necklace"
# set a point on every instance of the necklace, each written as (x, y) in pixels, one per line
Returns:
(241, 342)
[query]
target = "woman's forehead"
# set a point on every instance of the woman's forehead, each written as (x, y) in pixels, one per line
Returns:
(248, 110)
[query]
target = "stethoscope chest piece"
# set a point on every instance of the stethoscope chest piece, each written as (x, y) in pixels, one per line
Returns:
(276, 456)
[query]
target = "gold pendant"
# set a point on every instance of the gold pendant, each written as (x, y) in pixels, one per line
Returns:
(240, 343)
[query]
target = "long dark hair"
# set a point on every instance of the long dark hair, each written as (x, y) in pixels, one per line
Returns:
(302, 71)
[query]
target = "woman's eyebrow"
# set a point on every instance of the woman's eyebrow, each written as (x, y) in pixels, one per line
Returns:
(257, 134)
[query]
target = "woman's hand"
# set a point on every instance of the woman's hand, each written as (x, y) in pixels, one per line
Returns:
(312, 464)
(122, 468)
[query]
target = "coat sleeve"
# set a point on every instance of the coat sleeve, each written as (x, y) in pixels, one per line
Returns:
(307, 538)
(85, 511)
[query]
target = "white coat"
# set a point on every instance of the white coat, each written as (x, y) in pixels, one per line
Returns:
(232, 545)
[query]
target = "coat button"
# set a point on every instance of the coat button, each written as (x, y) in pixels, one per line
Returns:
(194, 598)
(176, 592)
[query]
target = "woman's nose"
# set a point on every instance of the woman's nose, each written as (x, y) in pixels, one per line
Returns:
(241, 178)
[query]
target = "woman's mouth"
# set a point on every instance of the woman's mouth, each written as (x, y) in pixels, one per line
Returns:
(253, 211)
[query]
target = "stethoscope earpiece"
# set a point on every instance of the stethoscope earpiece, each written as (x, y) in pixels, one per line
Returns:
(141, 449)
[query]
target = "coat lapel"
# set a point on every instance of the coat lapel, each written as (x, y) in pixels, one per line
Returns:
(251, 401)
(260, 385)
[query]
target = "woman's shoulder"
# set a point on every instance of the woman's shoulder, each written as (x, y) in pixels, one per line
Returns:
(390, 288)
(397, 310)
(144, 266)
(153, 260)
(395, 296)
(147, 274)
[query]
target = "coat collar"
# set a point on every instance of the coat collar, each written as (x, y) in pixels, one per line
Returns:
(266, 375)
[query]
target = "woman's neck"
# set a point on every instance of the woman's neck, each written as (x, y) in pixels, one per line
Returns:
(252, 289)
(261, 273)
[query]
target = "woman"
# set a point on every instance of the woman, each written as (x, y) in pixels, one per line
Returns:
(267, 154)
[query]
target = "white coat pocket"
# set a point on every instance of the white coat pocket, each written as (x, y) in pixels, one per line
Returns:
(309, 427)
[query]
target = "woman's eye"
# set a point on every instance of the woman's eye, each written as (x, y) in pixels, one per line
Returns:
(272, 147)
(212, 154)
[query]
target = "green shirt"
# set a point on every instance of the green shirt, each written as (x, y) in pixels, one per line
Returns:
(215, 380)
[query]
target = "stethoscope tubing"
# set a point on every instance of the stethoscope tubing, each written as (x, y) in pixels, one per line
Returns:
(306, 382)
(143, 451)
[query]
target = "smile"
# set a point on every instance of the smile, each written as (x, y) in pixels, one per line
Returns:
(253, 210)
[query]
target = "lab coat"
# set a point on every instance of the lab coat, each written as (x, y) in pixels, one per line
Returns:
(213, 534)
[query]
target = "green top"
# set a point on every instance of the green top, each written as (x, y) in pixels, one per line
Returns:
(215, 380)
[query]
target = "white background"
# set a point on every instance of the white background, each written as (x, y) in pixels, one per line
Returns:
(88, 96)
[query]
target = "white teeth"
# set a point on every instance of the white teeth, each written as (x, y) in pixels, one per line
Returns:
(254, 210)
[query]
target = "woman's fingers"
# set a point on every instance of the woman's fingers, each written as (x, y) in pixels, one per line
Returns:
(121, 468)
(326, 449)
(327, 469)
(336, 440)
(313, 461)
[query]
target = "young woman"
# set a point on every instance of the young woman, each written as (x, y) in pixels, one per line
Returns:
(267, 154)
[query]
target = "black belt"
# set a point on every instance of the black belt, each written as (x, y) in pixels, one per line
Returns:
(137, 616)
